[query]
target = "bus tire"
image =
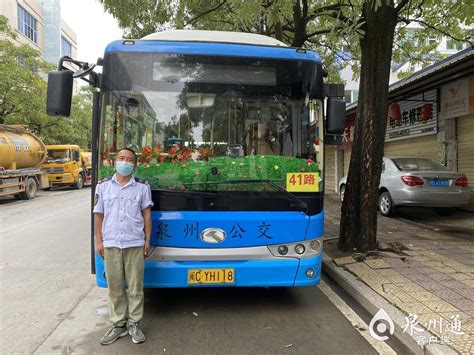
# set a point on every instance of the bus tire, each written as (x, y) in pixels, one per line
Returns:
(31, 187)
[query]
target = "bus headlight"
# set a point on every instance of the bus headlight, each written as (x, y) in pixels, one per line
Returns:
(299, 248)
(315, 245)
(304, 249)
(283, 249)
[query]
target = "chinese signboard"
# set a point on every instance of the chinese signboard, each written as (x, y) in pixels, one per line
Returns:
(457, 98)
(348, 135)
(302, 182)
(419, 117)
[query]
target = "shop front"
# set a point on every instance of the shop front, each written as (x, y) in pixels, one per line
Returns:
(430, 115)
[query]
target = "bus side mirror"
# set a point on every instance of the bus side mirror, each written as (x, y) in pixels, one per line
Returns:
(336, 115)
(59, 95)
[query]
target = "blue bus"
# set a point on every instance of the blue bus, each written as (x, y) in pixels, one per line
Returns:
(230, 129)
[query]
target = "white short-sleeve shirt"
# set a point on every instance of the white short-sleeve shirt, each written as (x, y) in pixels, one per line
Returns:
(123, 225)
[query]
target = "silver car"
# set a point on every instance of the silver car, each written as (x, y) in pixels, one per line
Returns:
(409, 181)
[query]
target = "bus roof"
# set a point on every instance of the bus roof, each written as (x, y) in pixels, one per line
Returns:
(221, 43)
(214, 36)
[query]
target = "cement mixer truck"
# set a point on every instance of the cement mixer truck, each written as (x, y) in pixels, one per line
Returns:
(21, 155)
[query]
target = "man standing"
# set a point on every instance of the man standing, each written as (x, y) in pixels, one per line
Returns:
(122, 210)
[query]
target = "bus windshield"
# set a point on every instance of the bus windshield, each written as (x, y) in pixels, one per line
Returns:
(194, 120)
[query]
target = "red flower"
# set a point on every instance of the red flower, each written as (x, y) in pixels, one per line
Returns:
(173, 150)
(145, 155)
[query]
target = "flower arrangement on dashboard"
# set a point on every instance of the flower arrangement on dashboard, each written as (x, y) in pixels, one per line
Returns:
(174, 155)
(178, 155)
(205, 153)
(145, 155)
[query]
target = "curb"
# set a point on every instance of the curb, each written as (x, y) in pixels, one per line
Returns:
(371, 301)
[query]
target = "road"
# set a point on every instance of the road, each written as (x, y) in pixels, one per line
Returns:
(49, 302)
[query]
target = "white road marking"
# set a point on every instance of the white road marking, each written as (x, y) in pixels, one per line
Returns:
(380, 346)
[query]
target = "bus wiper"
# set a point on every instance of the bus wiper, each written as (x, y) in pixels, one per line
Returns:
(297, 203)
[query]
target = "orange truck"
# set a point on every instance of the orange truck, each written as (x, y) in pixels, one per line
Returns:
(21, 155)
(68, 165)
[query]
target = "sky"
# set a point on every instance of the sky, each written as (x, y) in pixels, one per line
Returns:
(94, 28)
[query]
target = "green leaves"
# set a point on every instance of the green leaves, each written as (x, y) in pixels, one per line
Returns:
(23, 94)
(326, 25)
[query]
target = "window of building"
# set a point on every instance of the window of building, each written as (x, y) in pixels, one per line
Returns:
(355, 95)
(432, 40)
(351, 96)
(454, 45)
(348, 96)
(410, 36)
(22, 62)
(27, 24)
(66, 48)
(345, 48)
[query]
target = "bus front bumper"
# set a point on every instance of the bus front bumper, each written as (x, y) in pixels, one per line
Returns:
(248, 273)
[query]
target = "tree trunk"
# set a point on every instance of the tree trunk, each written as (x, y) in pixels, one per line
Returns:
(278, 31)
(300, 26)
(358, 228)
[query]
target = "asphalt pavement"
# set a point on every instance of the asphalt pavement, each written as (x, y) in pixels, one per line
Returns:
(49, 302)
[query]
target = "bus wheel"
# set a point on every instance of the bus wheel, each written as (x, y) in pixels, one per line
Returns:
(30, 189)
(79, 183)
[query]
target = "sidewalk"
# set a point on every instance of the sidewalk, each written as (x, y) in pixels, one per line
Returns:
(424, 272)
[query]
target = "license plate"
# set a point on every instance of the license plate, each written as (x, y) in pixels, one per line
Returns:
(210, 276)
(439, 183)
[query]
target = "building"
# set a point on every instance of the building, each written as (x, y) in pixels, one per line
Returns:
(39, 25)
(437, 120)
(444, 46)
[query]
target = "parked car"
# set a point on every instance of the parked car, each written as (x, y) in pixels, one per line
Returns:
(409, 181)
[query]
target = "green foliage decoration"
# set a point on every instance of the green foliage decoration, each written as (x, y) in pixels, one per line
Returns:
(196, 175)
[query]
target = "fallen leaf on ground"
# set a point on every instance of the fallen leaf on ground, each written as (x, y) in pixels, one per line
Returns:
(268, 328)
(195, 314)
(288, 346)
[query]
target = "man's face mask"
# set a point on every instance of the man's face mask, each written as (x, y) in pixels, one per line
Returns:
(124, 168)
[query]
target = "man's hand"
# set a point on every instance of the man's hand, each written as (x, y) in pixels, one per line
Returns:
(99, 247)
(147, 249)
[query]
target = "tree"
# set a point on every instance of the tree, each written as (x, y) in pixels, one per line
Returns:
(75, 129)
(22, 90)
(296, 23)
(375, 30)
(23, 94)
